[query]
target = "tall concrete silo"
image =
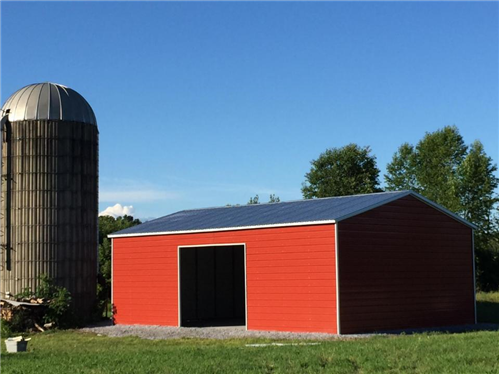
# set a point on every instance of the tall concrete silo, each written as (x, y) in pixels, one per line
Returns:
(49, 192)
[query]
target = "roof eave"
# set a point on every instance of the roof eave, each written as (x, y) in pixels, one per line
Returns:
(444, 210)
(236, 228)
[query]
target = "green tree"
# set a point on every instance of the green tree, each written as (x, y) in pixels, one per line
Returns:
(254, 200)
(108, 225)
(442, 168)
(274, 199)
(401, 171)
(438, 156)
(430, 168)
(342, 171)
(477, 185)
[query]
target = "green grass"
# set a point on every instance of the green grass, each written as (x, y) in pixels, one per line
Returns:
(487, 304)
(75, 352)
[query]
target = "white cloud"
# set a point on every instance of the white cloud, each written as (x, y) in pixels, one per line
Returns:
(118, 210)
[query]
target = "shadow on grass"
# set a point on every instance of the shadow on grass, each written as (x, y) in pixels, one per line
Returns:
(487, 311)
(446, 329)
(487, 316)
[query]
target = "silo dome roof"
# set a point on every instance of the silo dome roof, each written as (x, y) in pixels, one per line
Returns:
(48, 101)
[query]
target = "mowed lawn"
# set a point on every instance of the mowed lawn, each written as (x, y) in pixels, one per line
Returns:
(75, 352)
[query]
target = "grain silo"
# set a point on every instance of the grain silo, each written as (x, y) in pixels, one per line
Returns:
(49, 192)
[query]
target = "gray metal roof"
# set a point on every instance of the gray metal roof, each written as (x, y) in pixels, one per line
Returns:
(48, 101)
(326, 210)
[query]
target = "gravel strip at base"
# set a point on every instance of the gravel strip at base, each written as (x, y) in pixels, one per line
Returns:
(235, 332)
(226, 332)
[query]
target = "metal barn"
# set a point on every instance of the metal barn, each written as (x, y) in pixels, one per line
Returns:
(341, 265)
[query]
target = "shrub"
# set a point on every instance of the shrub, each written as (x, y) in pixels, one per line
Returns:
(58, 308)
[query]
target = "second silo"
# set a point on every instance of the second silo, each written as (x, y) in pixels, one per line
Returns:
(49, 192)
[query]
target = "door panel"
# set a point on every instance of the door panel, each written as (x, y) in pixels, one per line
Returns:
(212, 285)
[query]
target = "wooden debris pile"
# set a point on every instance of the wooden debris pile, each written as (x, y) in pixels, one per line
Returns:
(26, 314)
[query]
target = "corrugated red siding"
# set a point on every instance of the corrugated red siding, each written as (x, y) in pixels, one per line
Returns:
(404, 265)
(290, 277)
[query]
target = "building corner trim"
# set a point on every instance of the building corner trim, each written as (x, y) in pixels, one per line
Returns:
(338, 322)
(474, 273)
(112, 280)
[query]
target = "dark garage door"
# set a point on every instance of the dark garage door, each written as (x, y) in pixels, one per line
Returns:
(212, 286)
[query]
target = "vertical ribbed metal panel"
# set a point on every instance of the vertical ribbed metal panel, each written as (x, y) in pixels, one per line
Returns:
(52, 204)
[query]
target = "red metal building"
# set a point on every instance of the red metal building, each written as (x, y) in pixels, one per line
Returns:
(344, 265)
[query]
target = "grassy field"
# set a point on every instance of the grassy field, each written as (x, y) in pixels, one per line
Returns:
(75, 352)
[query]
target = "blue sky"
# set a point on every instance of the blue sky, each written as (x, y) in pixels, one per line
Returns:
(204, 104)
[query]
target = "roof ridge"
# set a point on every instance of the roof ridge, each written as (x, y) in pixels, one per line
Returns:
(291, 201)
